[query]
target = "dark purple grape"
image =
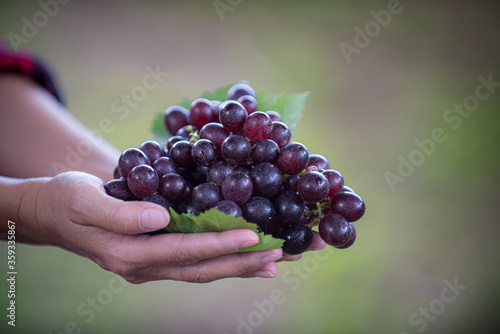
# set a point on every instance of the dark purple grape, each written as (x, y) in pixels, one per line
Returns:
(164, 165)
(172, 186)
(236, 149)
(265, 151)
(186, 132)
(319, 161)
(186, 195)
(152, 149)
(313, 187)
(172, 140)
(237, 187)
(335, 230)
(175, 118)
(245, 167)
(352, 238)
(258, 210)
(229, 208)
(346, 189)
(181, 154)
(267, 179)
(116, 173)
(274, 227)
(238, 90)
(258, 126)
(232, 115)
(204, 152)
(205, 196)
(201, 113)
(131, 158)
(215, 109)
(202, 169)
(143, 180)
(187, 207)
(118, 188)
(335, 180)
(293, 158)
(280, 134)
(298, 238)
(158, 199)
(249, 103)
(289, 207)
(214, 132)
(291, 182)
(218, 172)
(349, 205)
(275, 117)
(192, 175)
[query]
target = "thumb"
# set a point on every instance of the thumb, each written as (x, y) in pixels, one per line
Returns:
(122, 217)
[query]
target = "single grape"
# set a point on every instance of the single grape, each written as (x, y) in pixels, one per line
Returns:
(298, 238)
(203, 169)
(214, 132)
(205, 196)
(265, 151)
(192, 175)
(352, 238)
(118, 188)
(229, 208)
(116, 173)
(258, 126)
(349, 205)
(215, 109)
(164, 165)
(158, 199)
(274, 227)
(335, 230)
(172, 140)
(186, 195)
(232, 115)
(131, 158)
(186, 131)
(289, 207)
(319, 161)
(291, 182)
(218, 171)
(293, 158)
(275, 117)
(175, 118)
(152, 149)
(346, 189)
(239, 90)
(267, 179)
(249, 103)
(143, 180)
(244, 167)
(181, 154)
(237, 187)
(236, 149)
(335, 180)
(172, 186)
(187, 207)
(201, 113)
(280, 134)
(258, 210)
(204, 152)
(313, 187)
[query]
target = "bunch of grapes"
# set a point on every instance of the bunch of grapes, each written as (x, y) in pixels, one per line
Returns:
(240, 161)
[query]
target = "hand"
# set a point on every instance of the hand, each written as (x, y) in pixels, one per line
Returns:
(73, 212)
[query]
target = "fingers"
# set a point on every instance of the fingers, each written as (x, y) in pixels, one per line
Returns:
(317, 243)
(234, 265)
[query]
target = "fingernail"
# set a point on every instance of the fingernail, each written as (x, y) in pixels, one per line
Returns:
(153, 219)
(250, 242)
(265, 274)
(272, 257)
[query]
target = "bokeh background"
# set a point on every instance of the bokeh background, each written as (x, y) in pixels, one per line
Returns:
(439, 225)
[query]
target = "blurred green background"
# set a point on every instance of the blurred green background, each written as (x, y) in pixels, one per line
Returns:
(438, 226)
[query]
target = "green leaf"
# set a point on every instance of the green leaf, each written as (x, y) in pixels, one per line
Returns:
(289, 106)
(215, 221)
